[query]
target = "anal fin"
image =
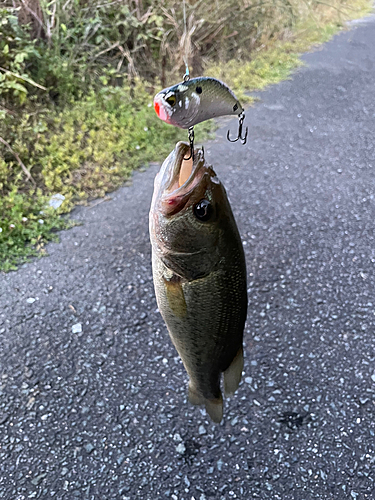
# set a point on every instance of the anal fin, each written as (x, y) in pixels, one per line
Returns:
(214, 407)
(194, 397)
(232, 375)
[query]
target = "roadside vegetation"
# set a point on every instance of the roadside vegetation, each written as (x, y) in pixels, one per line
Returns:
(77, 78)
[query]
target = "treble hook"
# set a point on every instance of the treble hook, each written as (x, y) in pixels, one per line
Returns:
(191, 142)
(241, 118)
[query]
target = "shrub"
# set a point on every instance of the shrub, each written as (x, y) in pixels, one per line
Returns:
(17, 53)
(25, 218)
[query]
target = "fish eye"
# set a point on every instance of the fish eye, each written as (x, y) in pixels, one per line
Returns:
(198, 90)
(203, 210)
(171, 99)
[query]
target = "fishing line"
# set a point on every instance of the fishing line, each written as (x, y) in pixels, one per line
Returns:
(186, 78)
(186, 55)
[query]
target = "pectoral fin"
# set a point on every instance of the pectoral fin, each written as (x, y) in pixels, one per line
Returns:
(175, 296)
(232, 375)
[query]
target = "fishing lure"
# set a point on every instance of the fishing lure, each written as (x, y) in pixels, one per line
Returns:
(198, 99)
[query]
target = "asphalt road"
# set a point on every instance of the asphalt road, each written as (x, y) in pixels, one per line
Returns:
(99, 411)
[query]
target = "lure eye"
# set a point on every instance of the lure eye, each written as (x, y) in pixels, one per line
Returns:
(171, 99)
(203, 210)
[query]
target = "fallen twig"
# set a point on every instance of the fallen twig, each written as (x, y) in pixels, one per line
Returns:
(106, 198)
(24, 78)
(28, 175)
(8, 110)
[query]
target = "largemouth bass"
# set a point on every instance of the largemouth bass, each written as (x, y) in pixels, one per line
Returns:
(199, 275)
(194, 101)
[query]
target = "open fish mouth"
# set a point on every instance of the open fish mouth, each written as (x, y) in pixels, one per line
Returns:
(183, 198)
(181, 181)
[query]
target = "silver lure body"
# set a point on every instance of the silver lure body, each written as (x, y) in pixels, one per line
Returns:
(188, 103)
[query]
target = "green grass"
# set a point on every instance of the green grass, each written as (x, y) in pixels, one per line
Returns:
(26, 219)
(92, 145)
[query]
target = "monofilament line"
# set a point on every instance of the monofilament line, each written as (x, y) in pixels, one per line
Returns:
(186, 56)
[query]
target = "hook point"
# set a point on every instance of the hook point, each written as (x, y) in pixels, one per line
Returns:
(244, 139)
(229, 139)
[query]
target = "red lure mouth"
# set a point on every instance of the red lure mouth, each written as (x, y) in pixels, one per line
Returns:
(160, 109)
(157, 108)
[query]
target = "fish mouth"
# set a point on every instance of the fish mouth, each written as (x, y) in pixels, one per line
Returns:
(184, 183)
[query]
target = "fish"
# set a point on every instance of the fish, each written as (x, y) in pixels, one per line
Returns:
(193, 101)
(199, 275)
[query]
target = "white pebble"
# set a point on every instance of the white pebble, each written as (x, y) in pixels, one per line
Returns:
(77, 328)
(181, 448)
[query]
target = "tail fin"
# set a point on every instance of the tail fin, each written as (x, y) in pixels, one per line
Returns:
(232, 375)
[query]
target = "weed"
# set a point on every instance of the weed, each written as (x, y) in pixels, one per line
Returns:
(26, 224)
